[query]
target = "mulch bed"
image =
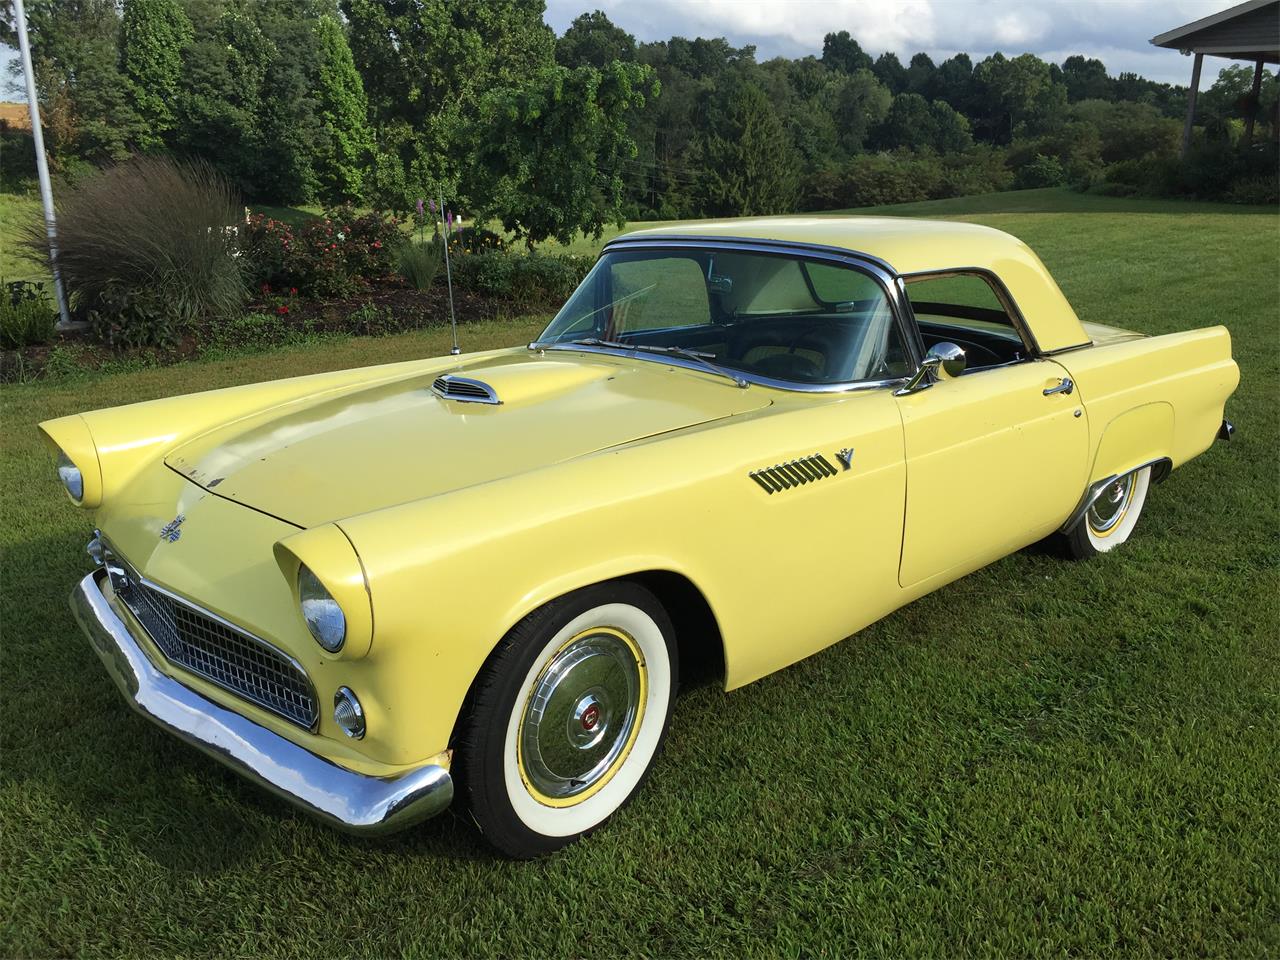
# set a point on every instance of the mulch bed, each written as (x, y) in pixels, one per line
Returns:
(409, 309)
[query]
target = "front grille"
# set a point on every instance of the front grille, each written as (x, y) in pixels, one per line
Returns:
(205, 645)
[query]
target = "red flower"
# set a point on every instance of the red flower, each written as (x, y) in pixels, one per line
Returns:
(293, 291)
(282, 309)
(266, 288)
(377, 244)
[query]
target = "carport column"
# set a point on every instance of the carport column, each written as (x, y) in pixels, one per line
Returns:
(1254, 95)
(1191, 103)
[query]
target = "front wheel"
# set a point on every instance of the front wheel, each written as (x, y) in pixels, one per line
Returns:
(567, 717)
(1111, 517)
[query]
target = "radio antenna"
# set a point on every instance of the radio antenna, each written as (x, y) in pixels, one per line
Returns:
(448, 275)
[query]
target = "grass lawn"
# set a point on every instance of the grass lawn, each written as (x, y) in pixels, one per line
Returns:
(1044, 758)
(16, 210)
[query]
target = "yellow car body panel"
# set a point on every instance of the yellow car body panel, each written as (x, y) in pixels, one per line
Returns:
(440, 525)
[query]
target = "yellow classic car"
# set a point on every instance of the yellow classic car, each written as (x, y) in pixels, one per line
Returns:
(474, 577)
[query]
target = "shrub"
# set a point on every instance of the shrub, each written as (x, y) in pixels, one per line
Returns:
(147, 247)
(1041, 172)
(473, 240)
(419, 263)
(525, 279)
(25, 315)
(329, 256)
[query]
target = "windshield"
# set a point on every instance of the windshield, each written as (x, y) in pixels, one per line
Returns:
(782, 317)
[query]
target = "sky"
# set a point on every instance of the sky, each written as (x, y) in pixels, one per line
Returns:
(1115, 31)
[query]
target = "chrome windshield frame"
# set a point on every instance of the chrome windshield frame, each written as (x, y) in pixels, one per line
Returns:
(877, 269)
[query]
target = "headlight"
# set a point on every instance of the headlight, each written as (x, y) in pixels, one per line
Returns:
(324, 617)
(70, 476)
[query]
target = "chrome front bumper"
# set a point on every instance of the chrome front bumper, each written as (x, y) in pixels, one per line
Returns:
(351, 801)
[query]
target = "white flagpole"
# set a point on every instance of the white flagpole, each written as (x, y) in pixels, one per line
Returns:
(42, 165)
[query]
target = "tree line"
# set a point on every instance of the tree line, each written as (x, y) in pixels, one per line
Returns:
(478, 102)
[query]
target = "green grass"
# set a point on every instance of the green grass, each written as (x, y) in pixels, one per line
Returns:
(1044, 758)
(16, 211)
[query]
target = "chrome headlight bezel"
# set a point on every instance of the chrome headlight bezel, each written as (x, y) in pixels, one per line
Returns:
(322, 614)
(71, 477)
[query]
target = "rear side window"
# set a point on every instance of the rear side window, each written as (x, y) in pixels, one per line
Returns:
(965, 309)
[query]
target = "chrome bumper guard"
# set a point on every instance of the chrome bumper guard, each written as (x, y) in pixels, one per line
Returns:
(1226, 430)
(353, 802)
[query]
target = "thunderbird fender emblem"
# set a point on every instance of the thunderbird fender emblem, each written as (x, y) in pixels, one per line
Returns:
(845, 457)
(170, 531)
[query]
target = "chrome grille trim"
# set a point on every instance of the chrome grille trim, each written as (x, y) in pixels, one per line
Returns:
(464, 389)
(211, 647)
(793, 473)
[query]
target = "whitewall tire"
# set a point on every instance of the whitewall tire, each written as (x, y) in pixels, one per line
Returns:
(567, 717)
(1111, 518)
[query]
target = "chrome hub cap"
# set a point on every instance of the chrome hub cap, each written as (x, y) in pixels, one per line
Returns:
(581, 715)
(1110, 506)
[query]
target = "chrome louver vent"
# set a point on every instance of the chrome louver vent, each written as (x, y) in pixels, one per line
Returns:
(794, 473)
(464, 390)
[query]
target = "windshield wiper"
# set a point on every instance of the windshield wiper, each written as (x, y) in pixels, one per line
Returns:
(697, 356)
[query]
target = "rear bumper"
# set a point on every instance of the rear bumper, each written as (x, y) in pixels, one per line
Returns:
(354, 802)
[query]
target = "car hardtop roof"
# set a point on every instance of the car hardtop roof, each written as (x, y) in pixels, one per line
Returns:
(910, 246)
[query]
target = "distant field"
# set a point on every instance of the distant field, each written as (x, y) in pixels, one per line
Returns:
(17, 115)
(1043, 759)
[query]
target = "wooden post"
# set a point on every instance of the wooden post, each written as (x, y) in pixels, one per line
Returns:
(1191, 103)
(1254, 96)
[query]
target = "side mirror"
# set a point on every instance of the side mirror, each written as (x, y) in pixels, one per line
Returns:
(944, 361)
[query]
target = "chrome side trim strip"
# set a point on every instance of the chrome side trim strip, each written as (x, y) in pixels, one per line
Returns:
(1160, 469)
(342, 798)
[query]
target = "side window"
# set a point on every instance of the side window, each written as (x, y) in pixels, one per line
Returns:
(658, 293)
(964, 309)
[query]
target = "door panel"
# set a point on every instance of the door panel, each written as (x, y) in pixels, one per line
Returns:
(992, 465)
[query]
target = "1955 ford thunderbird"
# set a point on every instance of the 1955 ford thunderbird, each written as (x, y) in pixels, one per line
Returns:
(738, 441)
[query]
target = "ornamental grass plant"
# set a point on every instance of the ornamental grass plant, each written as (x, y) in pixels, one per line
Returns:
(148, 247)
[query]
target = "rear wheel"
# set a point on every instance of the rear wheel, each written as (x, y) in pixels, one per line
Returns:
(1111, 517)
(567, 717)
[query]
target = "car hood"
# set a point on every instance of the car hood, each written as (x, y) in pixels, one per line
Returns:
(336, 456)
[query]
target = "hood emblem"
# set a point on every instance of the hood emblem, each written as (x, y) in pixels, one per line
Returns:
(845, 457)
(170, 531)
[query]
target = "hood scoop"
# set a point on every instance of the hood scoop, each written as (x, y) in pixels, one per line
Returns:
(464, 389)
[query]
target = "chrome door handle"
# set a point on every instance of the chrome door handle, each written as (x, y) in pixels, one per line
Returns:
(1064, 386)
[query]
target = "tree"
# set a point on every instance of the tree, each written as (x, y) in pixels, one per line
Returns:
(152, 37)
(889, 71)
(1086, 79)
(547, 154)
(920, 76)
(347, 143)
(593, 40)
(1018, 95)
(857, 104)
(841, 53)
(426, 67)
(953, 83)
(907, 124)
(748, 164)
(84, 98)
